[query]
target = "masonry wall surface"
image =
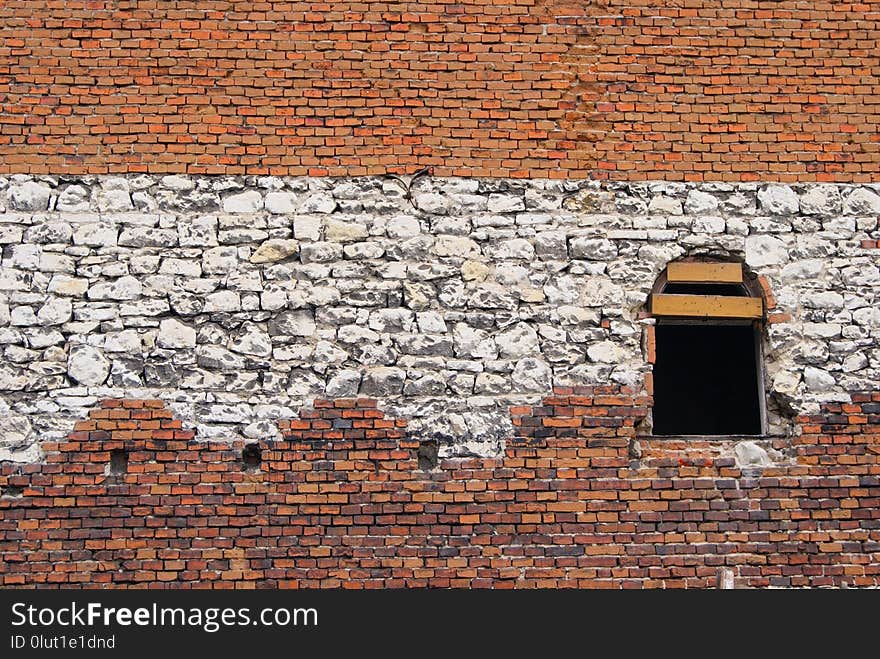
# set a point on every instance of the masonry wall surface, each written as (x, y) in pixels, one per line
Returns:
(354, 294)
(624, 89)
(239, 300)
(342, 501)
(499, 324)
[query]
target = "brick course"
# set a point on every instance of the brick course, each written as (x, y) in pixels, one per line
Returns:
(341, 502)
(626, 89)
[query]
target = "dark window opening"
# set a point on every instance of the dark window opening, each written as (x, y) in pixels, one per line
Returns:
(706, 380)
(733, 290)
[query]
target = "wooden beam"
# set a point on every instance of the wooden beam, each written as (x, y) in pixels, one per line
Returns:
(707, 306)
(704, 273)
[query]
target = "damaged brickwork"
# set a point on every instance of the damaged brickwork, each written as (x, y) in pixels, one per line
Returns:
(343, 500)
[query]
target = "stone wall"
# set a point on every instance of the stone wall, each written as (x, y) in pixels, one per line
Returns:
(240, 300)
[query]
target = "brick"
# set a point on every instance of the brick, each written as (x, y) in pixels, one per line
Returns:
(354, 511)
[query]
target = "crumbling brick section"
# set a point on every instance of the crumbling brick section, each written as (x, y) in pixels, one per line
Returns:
(342, 501)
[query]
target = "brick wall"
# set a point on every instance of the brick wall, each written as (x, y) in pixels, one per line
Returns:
(343, 500)
(627, 89)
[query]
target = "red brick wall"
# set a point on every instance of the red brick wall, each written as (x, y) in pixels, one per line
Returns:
(742, 89)
(341, 501)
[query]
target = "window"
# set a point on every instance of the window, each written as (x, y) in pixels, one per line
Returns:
(708, 376)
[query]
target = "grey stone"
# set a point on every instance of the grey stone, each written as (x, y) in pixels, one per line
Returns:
(147, 237)
(73, 199)
(127, 341)
(22, 316)
(491, 384)
(433, 203)
(222, 301)
(429, 384)
(519, 341)
(855, 362)
(29, 196)
(186, 304)
(53, 262)
(249, 201)
(39, 338)
(606, 352)
(532, 375)
(10, 234)
(763, 250)
(178, 183)
(56, 311)
(215, 357)
(862, 201)
(491, 296)
(778, 200)
(402, 226)
(320, 252)
(307, 227)
(749, 454)
(425, 344)
(598, 249)
(49, 232)
(124, 288)
(665, 205)
(98, 234)
(344, 384)
(383, 381)
(344, 232)
(87, 366)
(12, 378)
(144, 202)
(281, 203)
(174, 334)
(15, 430)
(818, 379)
(219, 260)
(563, 290)
(456, 246)
(326, 355)
(114, 200)
(517, 248)
(318, 202)
(551, 245)
(700, 203)
(473, 343)
(251, 340)
(26, 257)
(200, 232)
(275, 249)
(820, 200)
(293, 323)
(506, 203)
(356, 251)
(431, 322)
